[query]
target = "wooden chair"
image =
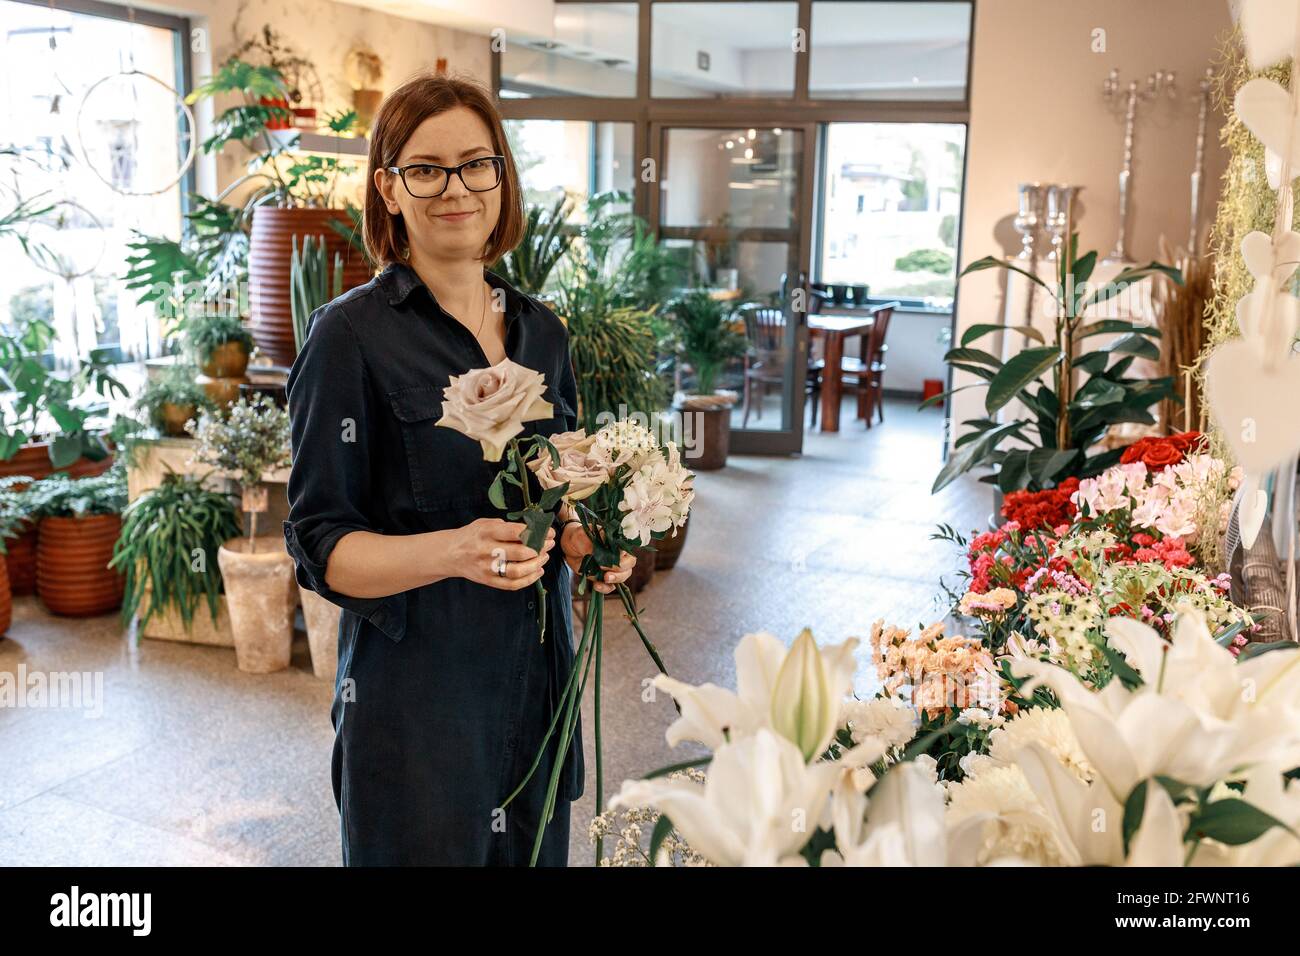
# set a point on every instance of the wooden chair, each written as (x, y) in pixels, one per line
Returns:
(866, 374)
(765, 359)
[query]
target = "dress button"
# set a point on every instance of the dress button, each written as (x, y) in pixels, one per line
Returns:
(531, 605)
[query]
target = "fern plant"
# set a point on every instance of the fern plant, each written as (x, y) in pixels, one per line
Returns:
(168, 549)
(311, 284)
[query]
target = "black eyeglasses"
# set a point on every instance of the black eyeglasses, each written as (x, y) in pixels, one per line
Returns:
(429, 180)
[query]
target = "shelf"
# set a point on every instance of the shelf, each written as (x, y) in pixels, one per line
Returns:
(323, 143)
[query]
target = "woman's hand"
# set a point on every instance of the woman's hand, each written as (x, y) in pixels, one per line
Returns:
(575, 545)
(483, 544)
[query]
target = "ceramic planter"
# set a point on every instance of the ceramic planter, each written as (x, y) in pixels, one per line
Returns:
(227, 360)
(72, 574)
(261, 594)
(706, 429)
(33, 460)
(6, 602)
(174, 418)
(222, 391)
(669, 549)
(269, 254)
(322, 619)
(21, 560)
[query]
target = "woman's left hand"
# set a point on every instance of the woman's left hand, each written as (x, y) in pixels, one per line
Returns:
(576, 546)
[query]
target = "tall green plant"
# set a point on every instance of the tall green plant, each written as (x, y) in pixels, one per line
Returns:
(547, 239)
(311, 284)
(704, 332)
(1066, 419)
(168, 549)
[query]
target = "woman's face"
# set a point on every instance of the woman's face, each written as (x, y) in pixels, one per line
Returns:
(456, 224)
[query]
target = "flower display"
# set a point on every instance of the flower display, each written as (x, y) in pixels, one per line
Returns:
(1159, 451)
(1042, 509)
(941, 673)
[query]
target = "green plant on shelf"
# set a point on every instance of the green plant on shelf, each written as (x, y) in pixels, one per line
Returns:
(311, 282)
(1064, 420)
(205, 334)
(704, 333)
(175, 387)
(17, 508)
(167, 550)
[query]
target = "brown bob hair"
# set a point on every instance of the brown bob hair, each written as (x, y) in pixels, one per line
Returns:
(404, 109)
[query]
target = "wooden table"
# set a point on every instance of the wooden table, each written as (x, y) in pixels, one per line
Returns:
(836, 328)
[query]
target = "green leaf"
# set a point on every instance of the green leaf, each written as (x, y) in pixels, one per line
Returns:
(1022, 369)
(1134, 344)
(972, 355)
(1098, 392)
(496, 494)
(551, 497)
(1045, 464)
(1134, 809)
(1127, 278)
(1231, 821)
(663, 827)
(538, 522)
(965, 458)
(989, 262)
(1111, 326)
(64, 450)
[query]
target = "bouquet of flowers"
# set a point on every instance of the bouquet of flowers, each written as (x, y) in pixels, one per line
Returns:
(1183, 767)
(626, 491)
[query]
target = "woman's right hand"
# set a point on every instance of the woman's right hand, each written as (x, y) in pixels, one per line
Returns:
(483, 543)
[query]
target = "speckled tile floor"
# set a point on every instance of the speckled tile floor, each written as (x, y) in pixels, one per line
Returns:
(193, 763)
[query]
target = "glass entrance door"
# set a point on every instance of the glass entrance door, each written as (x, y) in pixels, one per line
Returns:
(736, 201)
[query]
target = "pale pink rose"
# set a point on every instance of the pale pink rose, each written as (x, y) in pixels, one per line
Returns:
(490, 405)
(581, 464)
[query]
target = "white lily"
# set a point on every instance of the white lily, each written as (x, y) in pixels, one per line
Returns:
(758, 806)
(1266, 790)
(796, 692)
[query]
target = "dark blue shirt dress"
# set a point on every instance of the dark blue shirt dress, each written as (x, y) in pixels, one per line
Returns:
(443, 692)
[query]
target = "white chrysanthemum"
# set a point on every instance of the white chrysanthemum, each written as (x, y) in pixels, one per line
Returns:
(1040, 725)
(1020, 830)
(890, 719)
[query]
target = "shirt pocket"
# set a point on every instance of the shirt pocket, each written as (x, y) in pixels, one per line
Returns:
(446, 468)
(562, 413)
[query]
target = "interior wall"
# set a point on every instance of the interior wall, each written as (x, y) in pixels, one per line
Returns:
(1037, 114)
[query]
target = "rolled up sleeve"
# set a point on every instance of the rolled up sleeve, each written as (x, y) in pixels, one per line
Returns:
(330, 409)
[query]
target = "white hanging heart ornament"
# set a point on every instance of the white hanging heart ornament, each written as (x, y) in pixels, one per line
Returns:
(1251, 510)
(1265, 108)
(1262, 254)
(1273, 333)
(1268, 27)
(1254, 407)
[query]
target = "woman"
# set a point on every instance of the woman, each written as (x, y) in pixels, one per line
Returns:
(444, 690)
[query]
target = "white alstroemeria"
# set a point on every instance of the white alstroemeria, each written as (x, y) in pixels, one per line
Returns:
(713, 715)
(1189, 719)
(758, 806)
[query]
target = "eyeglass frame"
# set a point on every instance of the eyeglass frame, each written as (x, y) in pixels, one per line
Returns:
(400, 172)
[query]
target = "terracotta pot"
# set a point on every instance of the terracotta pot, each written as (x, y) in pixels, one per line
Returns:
(222, 391)
(175, 416)
(21, 560)
(706, 430)
(228, 360)
(34, 459)
(6, 602)
(72, 573)
(269, 252)
(322, 619)
(668, 550)
(261, 593)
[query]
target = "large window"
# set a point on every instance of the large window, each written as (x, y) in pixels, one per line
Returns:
(723, 49)
(571, 158)
(592, 52)
(102, 152)
(891, 206)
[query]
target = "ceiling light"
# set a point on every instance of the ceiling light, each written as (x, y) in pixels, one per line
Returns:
(749, 154)
(730, 144)
(752, 134)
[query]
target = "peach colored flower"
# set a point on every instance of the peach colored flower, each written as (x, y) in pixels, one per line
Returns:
(490, 405)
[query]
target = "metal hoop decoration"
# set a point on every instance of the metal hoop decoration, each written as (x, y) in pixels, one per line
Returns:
(95, 223)
(189, 120)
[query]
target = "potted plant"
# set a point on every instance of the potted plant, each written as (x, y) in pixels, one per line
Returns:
(28, 443)
(14, 514)
(705, 334)
(80, 520)
(221, 345)
(245, 442)
(545, 243)
(171, 400)
(1089, 391)
(167, 551)
(295, 196)
(311, 282)
(365, 71)
(18, 534)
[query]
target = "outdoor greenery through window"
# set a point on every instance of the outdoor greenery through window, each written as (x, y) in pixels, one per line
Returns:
(891, 205)
(98, 154)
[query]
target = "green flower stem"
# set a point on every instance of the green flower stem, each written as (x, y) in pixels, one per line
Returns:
(538, 586)
(599, 611)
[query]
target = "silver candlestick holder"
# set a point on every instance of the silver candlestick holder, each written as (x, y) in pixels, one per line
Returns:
(1159, 85)
(1031, 217)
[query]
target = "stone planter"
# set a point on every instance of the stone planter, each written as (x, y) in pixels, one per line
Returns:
(72, 574)
(669, 549)
(322, 619)
(6, 601)
(261, 594)
(21, 560)
(706, 429)
(269, 253)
